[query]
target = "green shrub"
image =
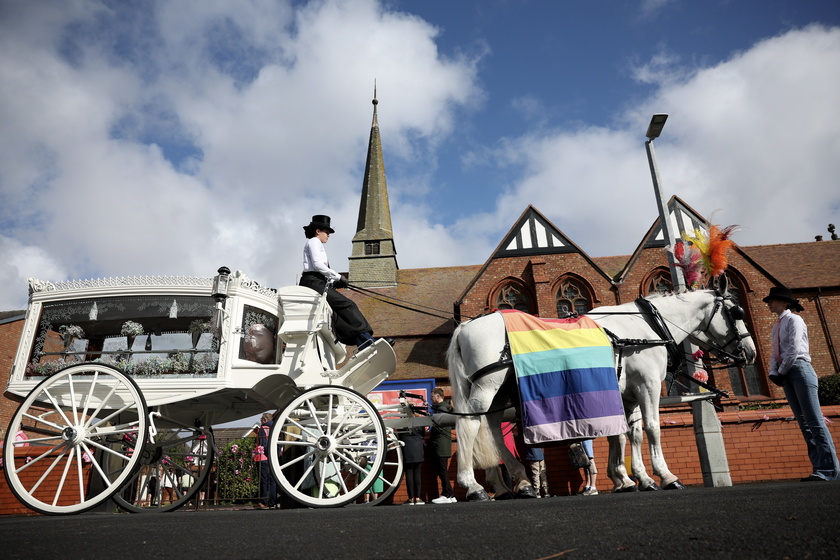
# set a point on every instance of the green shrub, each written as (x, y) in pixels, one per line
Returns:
(829, 391)
(237, 474)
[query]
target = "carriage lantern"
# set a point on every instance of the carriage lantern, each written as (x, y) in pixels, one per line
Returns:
(221, 286)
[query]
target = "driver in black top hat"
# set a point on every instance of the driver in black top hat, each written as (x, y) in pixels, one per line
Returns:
(351, 327)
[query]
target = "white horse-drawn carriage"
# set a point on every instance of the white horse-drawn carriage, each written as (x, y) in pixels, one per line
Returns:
(121, 380)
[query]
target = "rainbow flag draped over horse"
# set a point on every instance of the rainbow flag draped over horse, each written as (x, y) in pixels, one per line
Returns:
(566, 374)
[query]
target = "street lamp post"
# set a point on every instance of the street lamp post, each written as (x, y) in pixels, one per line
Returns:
(657, 122)
(707, 429)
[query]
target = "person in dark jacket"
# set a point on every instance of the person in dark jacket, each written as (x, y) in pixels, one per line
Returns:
(268, 484)
(413, 459)
(440, 440)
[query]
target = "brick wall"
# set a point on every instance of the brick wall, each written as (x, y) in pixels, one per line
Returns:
(9, 504)
(9, 337)
(761, 445)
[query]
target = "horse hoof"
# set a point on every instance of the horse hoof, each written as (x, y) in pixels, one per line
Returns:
(652, 487)
(478, 496)
(504, 496)
(526, 492)
(676, 485)
(626, 489)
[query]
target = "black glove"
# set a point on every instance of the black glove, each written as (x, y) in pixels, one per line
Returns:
(341, 282)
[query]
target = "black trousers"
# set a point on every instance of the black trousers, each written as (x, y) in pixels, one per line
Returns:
(443, 474)
(349, 323)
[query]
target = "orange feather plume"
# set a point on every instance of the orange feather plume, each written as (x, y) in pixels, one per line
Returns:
(713, 247)
(719, 245)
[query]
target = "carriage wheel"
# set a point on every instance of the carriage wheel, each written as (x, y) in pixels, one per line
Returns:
(180, 458)
(392, 469)
(81, 424)
(319, 443)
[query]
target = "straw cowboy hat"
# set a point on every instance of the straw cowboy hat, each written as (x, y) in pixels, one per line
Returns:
(320, 222)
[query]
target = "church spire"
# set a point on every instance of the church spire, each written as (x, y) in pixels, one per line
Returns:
(374, 258)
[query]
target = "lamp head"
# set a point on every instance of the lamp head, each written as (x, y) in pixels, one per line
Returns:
(657, 123)
(221, 284)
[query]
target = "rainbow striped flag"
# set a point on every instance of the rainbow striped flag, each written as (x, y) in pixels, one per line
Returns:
(567, 381)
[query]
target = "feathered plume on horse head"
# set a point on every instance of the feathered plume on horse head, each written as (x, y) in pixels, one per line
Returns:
(704, 255)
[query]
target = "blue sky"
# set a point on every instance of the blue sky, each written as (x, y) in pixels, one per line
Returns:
(169, 138)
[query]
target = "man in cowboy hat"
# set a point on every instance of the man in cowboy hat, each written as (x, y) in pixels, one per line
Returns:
(351, 327)
(790, 368)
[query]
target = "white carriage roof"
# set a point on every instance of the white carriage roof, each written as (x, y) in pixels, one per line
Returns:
(36, 286)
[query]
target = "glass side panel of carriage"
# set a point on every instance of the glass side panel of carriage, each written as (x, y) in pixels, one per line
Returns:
(145, 336)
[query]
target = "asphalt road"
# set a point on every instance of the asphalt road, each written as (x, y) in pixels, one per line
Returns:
(768, 521)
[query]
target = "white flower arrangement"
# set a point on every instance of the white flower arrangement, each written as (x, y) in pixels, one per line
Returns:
(71, 331)
(131, 328)
(199, 326)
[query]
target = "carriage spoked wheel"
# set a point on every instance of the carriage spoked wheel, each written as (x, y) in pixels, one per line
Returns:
(81, 426)
(173, 470)
(392, 470)
(327, 446)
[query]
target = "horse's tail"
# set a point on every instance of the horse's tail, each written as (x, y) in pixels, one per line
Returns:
(457, 373)
(484, 451)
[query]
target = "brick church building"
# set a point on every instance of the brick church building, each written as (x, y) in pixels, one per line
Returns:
(536, 268)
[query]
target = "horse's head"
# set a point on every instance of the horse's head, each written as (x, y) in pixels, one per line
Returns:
(724, 332)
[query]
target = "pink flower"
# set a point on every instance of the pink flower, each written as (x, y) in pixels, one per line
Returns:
(236, 471)
(698, 354)
(700, 375)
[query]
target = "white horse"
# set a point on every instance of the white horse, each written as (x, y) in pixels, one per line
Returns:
(709, 318)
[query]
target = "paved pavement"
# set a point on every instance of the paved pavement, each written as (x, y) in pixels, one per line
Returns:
(783, 520)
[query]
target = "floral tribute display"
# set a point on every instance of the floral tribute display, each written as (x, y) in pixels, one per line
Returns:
(131, 328)
(199, 326)
(71, 331)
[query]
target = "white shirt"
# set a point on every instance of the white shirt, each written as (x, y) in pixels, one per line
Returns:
(792, 340)
(315, 259)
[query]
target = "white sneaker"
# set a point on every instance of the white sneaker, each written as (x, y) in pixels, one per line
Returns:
(441, 500)
(453, 500)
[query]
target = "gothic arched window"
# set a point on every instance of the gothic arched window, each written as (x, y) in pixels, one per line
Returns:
(572, 298)
(658, 282)
(512, 297)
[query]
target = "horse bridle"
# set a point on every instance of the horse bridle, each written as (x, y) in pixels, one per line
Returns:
(732, 314)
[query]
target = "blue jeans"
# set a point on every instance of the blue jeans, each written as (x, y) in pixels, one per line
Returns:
(801, 392)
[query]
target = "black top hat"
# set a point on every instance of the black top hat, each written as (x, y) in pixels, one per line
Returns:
(320, 222)
(783, 294)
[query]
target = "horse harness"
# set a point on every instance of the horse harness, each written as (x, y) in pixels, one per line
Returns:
(657, 323)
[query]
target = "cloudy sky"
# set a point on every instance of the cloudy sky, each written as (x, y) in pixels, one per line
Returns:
(170, 138)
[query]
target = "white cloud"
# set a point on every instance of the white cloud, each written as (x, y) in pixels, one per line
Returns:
(177, 141)
(753, 140)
